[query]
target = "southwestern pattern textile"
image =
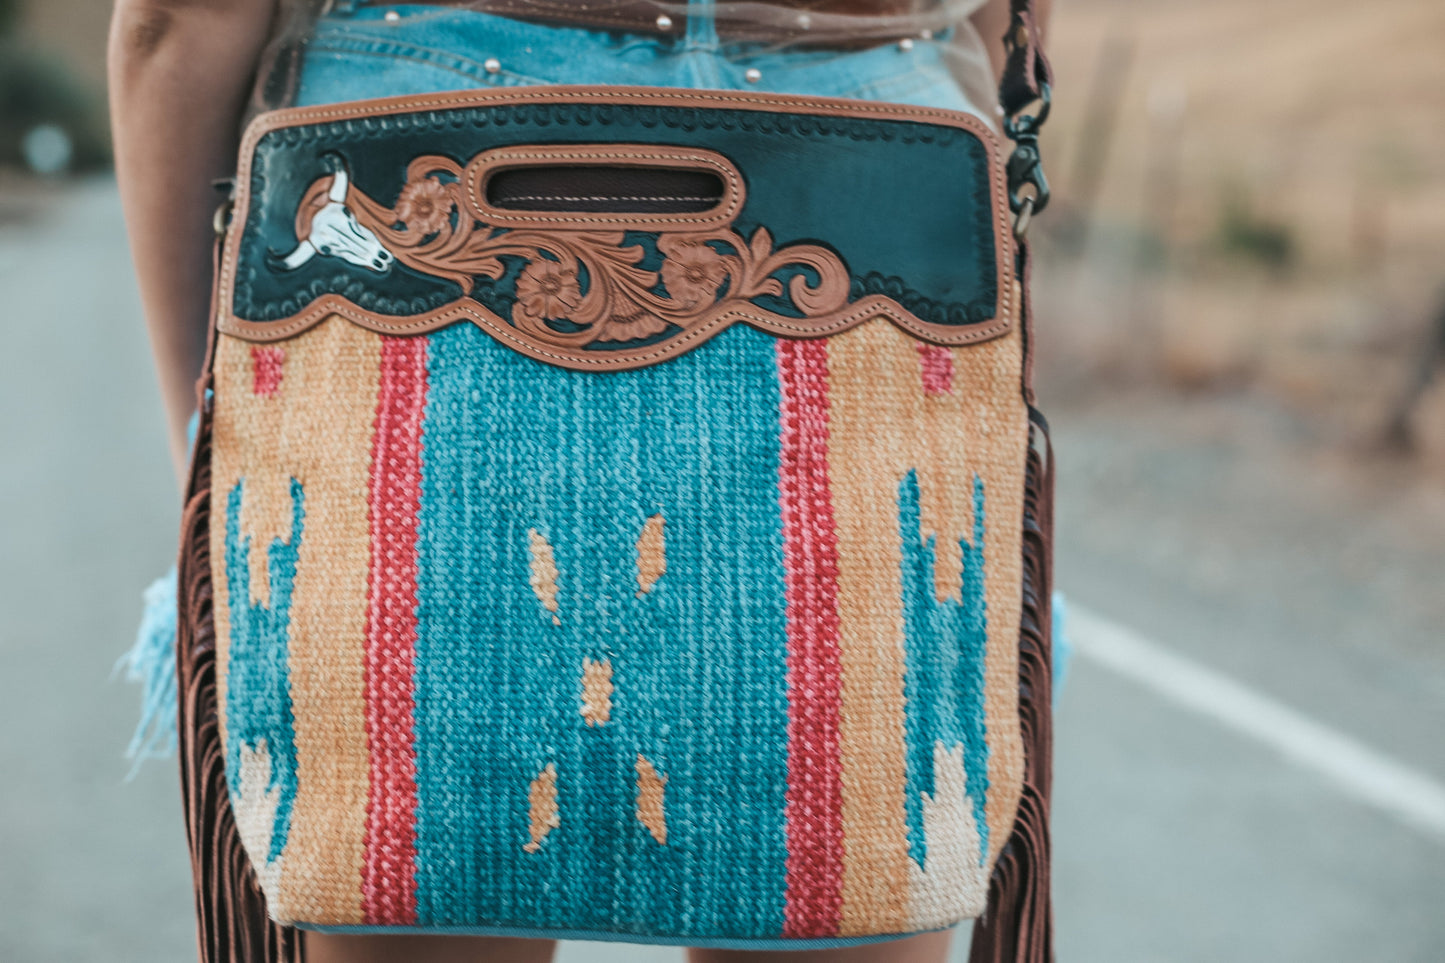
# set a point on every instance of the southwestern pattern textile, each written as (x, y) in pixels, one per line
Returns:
(724, 647)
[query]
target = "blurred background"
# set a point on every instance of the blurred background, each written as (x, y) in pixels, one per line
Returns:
(1241, 298)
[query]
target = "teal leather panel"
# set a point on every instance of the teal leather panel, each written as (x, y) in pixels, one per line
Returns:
(905, 204)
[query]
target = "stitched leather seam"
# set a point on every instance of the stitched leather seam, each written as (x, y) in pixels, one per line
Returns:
(295, 116)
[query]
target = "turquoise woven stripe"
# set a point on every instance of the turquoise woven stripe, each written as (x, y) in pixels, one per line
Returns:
(947, 642)
(699, 662)
(258, 686)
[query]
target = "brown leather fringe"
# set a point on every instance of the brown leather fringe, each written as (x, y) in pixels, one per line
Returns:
(232, 926)
(1018, 925)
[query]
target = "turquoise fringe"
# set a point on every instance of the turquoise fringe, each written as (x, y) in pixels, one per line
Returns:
(1063, 646)
(152, 663)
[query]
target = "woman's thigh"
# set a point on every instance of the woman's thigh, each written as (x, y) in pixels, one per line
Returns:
(332, 948)
(924, 948)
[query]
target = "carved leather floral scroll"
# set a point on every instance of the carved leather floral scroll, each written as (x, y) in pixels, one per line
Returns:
(584, 287)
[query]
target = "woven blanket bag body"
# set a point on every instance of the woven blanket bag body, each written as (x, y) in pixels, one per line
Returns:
(564, 561)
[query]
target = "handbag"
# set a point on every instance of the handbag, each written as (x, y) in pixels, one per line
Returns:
(621, 513)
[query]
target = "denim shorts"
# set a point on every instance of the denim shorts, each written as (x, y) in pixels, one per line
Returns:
(358, 53)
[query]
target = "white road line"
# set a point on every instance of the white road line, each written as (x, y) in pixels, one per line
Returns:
(1410, 796)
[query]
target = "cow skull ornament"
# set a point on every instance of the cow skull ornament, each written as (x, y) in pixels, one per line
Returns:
(335, 232)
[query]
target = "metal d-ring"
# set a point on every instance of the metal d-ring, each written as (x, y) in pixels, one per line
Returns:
(1025, 167)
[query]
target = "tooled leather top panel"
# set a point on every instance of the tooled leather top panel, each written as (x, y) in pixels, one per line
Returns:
(828, 213)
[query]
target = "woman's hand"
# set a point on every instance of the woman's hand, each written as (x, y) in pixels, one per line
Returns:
(180, 74)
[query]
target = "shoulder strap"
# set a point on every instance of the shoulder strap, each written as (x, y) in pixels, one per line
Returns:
(1026, 72)
(1026, 80)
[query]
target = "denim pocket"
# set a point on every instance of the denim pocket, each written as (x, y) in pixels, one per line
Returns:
(408, 67)
(922, 86)
(888, 73)
(346, 64)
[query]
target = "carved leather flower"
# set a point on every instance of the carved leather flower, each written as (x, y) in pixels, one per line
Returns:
(548, 289)
(425, 206)
(692, 273)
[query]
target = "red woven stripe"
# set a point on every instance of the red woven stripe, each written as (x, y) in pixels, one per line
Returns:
(810, 552)
(388, 876)
(937, 362)
(267, 365)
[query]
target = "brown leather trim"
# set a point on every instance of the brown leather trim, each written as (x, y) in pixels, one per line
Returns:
(484, 165)
(698, 330)
(1026, 317)
(874, 306)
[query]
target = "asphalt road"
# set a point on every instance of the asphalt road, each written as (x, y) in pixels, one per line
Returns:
(1178, 838)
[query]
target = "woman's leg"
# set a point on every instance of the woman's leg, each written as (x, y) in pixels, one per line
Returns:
(332, 948)
(926, 948)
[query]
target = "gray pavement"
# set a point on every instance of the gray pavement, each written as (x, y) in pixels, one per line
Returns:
(1177, 840)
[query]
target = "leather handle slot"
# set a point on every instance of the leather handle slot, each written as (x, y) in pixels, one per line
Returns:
(612, 186)
(604, 190)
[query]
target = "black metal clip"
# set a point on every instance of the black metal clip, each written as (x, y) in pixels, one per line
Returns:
(1025, 166)
(221, 219)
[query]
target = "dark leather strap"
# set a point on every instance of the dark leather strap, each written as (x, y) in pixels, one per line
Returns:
(1027, 70)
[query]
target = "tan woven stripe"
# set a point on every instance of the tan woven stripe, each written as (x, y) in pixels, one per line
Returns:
(317, 428)
(331, 397)
(979, 426)
(882, 425)
(991, 405)
(240, 425)
(870, 420)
